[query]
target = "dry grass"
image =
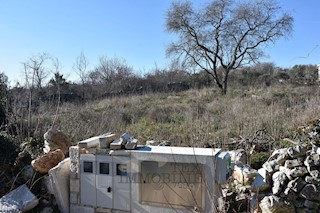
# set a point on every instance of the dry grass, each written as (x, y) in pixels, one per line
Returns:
(194, 117)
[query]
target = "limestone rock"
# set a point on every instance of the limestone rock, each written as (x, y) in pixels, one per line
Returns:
(313, 160)
(56, 139)
(44, 163)
(312, 180)
(238, 155)
(315, 150)
(271, 166)
(297, 151)
(273, 204)
(243, 173)
(279, 179)
(293, 163)
(280, 156)
(296, 172)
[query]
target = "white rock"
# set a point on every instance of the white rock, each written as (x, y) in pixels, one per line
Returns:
(243, 173)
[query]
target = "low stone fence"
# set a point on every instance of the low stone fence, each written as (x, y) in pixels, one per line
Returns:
(288, 182)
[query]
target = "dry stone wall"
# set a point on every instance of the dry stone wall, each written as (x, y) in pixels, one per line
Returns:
(295, 179)
(288, 182)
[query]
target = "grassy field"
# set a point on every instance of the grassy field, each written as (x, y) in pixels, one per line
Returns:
(190, 118)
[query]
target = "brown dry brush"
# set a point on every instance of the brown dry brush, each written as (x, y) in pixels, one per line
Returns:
(202, 116)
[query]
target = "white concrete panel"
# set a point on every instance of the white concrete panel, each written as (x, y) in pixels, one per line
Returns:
(88, 195)
(104, 181)
(121, 183)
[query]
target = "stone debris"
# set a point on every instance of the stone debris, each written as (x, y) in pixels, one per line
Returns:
(44, 163)
(56, 139)
(108, 141)
(289, 181)
(117, 144)
(243, 173)
(273, 204)
(238, 155)
(60, 179)
(19, 200)
(261, 181)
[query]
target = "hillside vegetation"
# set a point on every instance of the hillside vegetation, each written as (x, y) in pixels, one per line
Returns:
(257, 110)
(194, 117)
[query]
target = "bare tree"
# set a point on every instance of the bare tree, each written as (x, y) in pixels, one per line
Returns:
(225, 34)
(114, 69)
(36, 71)
(80, 67)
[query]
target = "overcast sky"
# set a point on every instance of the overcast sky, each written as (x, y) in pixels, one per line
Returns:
(130, 29)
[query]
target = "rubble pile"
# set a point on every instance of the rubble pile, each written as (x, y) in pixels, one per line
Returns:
(294, 178)
(108, 141)
(288, 182)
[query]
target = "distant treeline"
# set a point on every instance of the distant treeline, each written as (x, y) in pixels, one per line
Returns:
(123, 82)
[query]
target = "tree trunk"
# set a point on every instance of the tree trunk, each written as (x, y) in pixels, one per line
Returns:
(225, 82)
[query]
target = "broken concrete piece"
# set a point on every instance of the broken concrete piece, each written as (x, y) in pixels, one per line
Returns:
(261, 181)
(60, 179)
(56, 139)
(44, 163)
(314, 172)
(20, 199)
(106, 139)
(312, 162)
(117, 144)
(89, 143)
(132, 144)
(126, 137)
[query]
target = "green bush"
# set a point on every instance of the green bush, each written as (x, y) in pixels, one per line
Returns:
(258, 159)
